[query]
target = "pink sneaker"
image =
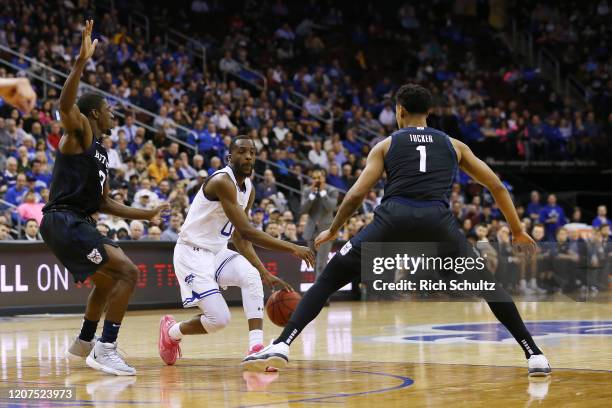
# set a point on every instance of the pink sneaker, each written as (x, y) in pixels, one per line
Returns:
(257, 348)
(169, 349)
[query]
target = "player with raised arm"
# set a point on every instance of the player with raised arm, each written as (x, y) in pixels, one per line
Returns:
(203, 263)
(80, 188)
(421, 164)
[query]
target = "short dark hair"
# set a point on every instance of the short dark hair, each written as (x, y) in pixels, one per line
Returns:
(89, 102)
(233, 144)
(414, 98)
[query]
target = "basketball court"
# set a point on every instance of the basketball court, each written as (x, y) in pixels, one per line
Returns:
(357, 354)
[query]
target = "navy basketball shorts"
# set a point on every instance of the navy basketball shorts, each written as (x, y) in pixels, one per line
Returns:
(402, 221)
(75, 241)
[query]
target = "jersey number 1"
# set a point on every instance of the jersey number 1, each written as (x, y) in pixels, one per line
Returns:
(422, 163)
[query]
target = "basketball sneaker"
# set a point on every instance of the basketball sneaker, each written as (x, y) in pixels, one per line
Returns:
(538, 366)
(169, 349)
(80, 349)
(255, 349)
(275, 355)
(105, 357)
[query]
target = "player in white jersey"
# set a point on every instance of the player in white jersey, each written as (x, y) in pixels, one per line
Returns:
(203, 263)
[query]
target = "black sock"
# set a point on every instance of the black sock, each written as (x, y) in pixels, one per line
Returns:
(88, 330)
(508, 315)
(110, 330)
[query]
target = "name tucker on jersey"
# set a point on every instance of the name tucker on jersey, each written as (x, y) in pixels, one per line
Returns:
(421, 138)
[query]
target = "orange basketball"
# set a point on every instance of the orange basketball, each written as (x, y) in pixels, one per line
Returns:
(280, 306)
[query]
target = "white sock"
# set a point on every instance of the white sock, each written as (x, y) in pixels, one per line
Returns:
(175, 331)
(255, 337)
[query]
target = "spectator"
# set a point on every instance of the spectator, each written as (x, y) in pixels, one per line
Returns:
(257, 218)
(16, 194)
(387, 116)
(103, 229)
(31, 231)
(552, 216)
(318, 201)
(171, 233)
(534, 208)
(153, 234)
(602, 217)
(30, 208)
(4, 233)
(136, 230)
(158, 169)
(317, 156)
(273, 229)
(267, 187)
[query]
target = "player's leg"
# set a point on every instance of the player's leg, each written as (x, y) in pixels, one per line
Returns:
(82, 345)
(194, 269)
(124, 273)
(340, 270)
(499, 301)
(232, 269)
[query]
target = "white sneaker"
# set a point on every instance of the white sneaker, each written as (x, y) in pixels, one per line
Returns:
(538, 366)
(275, 355)
(80, 349)
(104, 357)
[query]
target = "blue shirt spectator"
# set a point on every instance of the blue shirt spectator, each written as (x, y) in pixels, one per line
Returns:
(553, 217)
(15, 194)
(534, 208)
(602, 217)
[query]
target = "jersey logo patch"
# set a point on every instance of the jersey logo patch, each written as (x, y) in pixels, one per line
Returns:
(347, 247)
(94, 256)
(189, 279)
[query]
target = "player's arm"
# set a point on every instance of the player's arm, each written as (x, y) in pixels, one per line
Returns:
(72, 119)
(482, 173)
(225, 192)
(112, 207)
(246, 249)
(375, 166)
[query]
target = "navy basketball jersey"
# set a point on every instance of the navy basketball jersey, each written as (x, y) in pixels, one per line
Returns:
(78, 180)
(420, 164)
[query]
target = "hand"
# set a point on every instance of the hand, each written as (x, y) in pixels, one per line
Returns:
(305, 253)
(162, 209)
(324, 237)
(87, 46)
(273, 281)
(19, 93)
(523, 243)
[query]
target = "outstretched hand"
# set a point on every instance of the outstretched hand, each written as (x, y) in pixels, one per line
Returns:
(87, 46)
(524, 244)
(324, 237)
(162, 209)
(19, 93)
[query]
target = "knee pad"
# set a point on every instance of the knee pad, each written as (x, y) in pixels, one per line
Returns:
(215, 315)
(252, 291)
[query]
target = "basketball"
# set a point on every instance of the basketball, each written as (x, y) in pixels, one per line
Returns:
(280, 306)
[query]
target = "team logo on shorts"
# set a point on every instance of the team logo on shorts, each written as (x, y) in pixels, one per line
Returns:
(94, 256)
(189, 279)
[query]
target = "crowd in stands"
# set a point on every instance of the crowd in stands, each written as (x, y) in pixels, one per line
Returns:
(578, 34)
(347, 74)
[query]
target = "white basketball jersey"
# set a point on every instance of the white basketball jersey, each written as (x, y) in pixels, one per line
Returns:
(206, 225)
